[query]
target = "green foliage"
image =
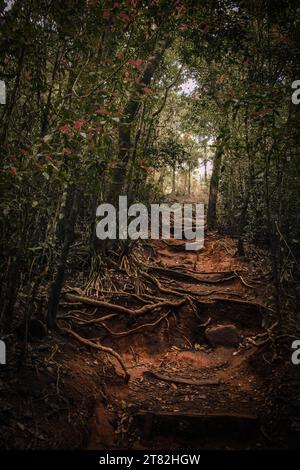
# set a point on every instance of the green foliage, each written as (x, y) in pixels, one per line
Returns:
(71, 71)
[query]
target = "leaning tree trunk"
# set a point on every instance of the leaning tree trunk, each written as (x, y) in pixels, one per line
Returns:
(213, 190)
(126, 124)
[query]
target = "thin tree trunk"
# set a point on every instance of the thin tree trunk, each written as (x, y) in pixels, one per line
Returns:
(57, 284)
(213, 190)
(205, 170)
(173, 179)
(46, 110)
(161, 178)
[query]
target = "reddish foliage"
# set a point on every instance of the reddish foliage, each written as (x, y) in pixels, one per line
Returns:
(106, 14)
(123, 17)
(65, 128)
(137, 64)
(79, 124)
(184, 26)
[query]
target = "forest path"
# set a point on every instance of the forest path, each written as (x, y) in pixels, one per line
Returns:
(194, 381)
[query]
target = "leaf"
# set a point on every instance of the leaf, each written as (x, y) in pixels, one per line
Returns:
(47, 138)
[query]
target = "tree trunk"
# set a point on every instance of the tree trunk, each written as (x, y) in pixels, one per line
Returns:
(8, 110)
(173, 179)
(161, 178)
(130, 113)
(213, 190)
(57, 284)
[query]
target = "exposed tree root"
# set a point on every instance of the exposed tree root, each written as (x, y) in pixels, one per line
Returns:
(268, 333)
(122, 293)
(243, 281)
(94, 321)
(240, 301)
(141, 311)
(134, 330)
(188, 276)
(99, 347)
(195, 295)
(207, 293)
(178, 267)
(180, 380)
(231, 300)
(153, 297)
(162, 289)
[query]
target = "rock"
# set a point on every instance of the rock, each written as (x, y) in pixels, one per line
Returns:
(222, 335)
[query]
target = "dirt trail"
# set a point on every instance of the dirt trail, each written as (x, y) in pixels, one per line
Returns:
(189, 389)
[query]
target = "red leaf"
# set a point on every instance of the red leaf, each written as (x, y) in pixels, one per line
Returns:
(184, 27)
(79, 124)
(106, 14)
(65, 128)
(122, 16)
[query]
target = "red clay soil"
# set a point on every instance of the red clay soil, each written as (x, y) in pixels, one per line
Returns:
(183, 393)
(151, 412)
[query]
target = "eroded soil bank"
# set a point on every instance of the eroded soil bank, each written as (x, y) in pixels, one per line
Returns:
(186, 392)
(203, 372)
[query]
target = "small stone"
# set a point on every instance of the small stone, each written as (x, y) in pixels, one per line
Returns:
(222, 335)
